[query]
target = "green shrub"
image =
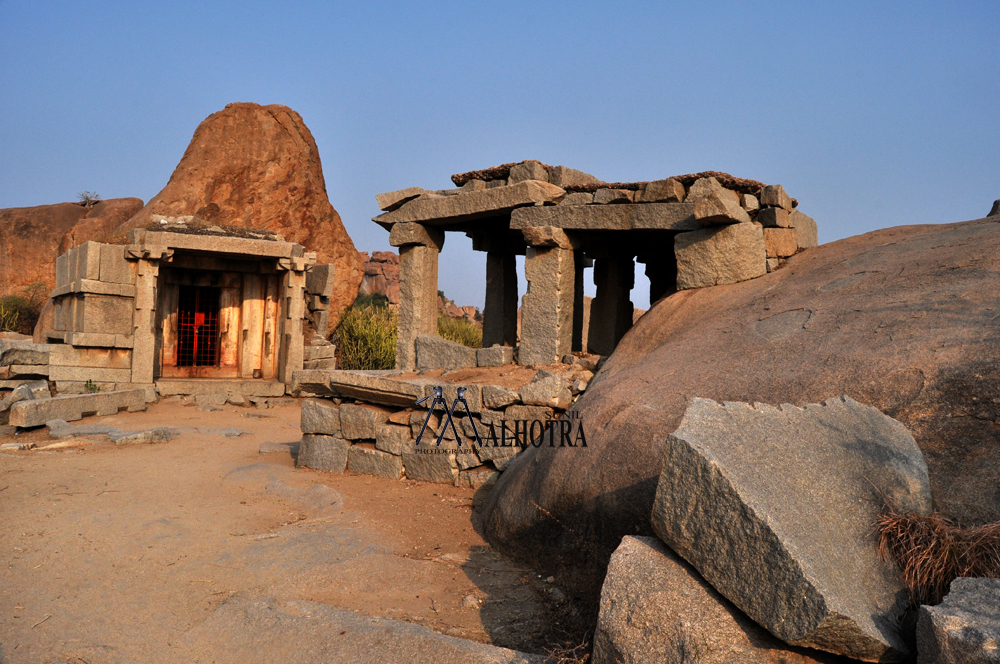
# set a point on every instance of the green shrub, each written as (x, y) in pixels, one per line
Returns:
(19, 313)
(460, 331)
(373, 300)
(366, 338)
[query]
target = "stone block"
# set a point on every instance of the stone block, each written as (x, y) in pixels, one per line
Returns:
(657, 608)
(548, 236)
(248, 388)
(36, 389)
(115, 269)
(528, 413)
(474, 205)
(473, 394)
(405, 233)
(500, 456)
(369, 461)
(561, 175)
(88, 262)
(432, 465)
(327, 364)
(708, 187)
(360, 421)
(715, 210)
(578, 198)
(104, 314)
(775, 217)
(90, 373)
(497, 396)
(605, 196)
(753, 535)
(749, 203)
(773, 264)
(434, 352)
(662, 191)
(220, 244)
(547, 390)
(69, 408)
(806, 231)
(98, 340)
(328, 453)
(62, 270)
(26, 370)
(964, 628)
(527, 170)
(494, 356)
(547, 307)
(477, 478)
(780, 242)
(320, 416)
(716, 256)
(466, 457)
(319, 279)
(391, 200)
(623, 217)
(774, 194)
(211, 399)
(473, 185)
(23, 352)
(392, 438)
(99, 358)
(417, 419)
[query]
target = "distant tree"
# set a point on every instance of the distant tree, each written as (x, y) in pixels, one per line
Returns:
(89, 198)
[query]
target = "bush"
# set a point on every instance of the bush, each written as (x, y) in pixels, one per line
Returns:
(932, 551)
(366, 337)
(20, 312)
(460, 331)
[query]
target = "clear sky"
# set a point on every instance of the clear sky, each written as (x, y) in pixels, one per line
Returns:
(872, 114)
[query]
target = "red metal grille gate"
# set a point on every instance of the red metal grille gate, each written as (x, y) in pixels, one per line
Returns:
(198, 327)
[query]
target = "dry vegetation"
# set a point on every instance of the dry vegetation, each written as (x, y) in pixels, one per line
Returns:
(366, 337)
(932, 551)
(19, 312)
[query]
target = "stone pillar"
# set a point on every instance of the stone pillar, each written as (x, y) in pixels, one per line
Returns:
(611, 310)
(500, 310)
(662, 273)
(547, 307)
(293, 289)
(144, 320)
(418, 286)
(580, 262)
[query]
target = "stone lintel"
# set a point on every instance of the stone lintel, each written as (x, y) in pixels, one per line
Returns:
(618, 217)
(435, 209)
(549, 236)
(221, 244)
(410, 233)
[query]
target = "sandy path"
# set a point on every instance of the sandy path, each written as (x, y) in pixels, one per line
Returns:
(113, 554)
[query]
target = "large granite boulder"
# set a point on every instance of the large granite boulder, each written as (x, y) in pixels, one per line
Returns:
(258, 166)
(902, 319)
(657, 608)
(32, 238)
(774, 506)
(964, 628)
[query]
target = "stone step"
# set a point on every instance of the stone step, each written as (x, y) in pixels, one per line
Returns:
(248, 388)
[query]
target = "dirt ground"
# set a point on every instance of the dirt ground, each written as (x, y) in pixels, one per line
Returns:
(113, 553)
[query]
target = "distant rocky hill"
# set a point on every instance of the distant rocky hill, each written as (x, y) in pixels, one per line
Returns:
(258, 167)
(31, 238)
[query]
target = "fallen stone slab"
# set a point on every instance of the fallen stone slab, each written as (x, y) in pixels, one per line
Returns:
(15, 447)
(371, 386)
(35, 389)
(434, 352)
(62, 429)
(657, 608)
(23, 353)
(774, 507)
(37, 412)
(327, 453)
(964, 628)
(432, 208)
(157, 435)
(249, 628)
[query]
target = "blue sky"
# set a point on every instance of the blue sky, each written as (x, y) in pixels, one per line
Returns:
(871, 114)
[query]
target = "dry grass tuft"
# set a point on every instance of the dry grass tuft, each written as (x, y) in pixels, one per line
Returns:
(566, 654)
(932, 551)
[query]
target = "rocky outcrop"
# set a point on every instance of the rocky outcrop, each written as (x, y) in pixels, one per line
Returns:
(902, 319)
(258, 167)
(32, 238)
(657, 608)
(381, 275)
(964, 628)
(774, 506)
